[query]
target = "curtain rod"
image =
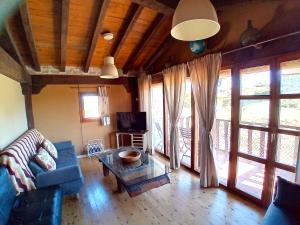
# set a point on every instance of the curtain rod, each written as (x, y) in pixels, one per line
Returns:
(89, 86)
(253, 45)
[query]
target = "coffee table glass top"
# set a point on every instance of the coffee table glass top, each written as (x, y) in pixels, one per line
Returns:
(146, 168)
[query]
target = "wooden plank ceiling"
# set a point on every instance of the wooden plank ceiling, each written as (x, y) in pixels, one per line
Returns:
(67, 33)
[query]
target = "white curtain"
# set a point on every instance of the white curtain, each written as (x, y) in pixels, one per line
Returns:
(174, 89)
(144, 84)
(204, 76)
(103, 106)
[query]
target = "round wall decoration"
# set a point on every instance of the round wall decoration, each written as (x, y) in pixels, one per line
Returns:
(197, 47)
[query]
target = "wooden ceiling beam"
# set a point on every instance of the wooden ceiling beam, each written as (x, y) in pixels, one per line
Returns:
(168, 6)
(97, 31)
(13, 42)
(134, 13)
(10, 68)
(160, 50)
(64, 33)
(147, 37)
(155, 5)
(41, 81)
(24, 12)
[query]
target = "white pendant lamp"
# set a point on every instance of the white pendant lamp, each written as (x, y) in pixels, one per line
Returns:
(194, 20)
(109, 70)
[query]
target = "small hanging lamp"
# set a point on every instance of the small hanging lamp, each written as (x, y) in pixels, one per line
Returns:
(109, 70)
(194, 20)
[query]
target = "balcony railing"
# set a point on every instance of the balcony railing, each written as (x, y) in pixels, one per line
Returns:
(254, 142)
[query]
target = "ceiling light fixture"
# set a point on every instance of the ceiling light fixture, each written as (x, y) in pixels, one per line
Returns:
(194, 20)
(109, 70)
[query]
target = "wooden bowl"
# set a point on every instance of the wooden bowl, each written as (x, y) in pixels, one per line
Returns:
(130, 156)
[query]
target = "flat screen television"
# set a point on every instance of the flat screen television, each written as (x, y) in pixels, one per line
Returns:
(131, 121)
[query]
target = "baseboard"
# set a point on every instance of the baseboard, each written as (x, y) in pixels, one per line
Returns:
(82, 156)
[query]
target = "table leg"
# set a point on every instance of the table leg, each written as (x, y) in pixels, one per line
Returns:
(121, 188)
(105, 170)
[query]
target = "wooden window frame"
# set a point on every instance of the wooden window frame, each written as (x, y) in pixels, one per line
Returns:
(273, 129)
(82, 118)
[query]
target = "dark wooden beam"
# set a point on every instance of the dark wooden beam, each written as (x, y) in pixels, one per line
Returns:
(10, 68)
(155, 5)
(27, 91)
(64, 33)
(168, 6)
(160, 50)
(14, 44)
(97, 31)
(40, 81)
(131, 18)
(148, 36)
(29, 35)
(6, 44)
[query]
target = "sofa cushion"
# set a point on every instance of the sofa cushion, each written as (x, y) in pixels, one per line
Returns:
(66, 157)
(50, 148)
(45, 160)
(7, 195)
(279, 216)
(59, 176)
(41, 206)
(287, 195)
(67, 170)
(63, 145)
(35, 168)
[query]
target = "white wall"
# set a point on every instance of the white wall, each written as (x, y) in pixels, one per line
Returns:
(13, 121)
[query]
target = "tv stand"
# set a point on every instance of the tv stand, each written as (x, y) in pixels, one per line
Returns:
(137, 139)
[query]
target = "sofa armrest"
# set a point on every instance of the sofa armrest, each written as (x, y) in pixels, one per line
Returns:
(63, 145)
(58, 176)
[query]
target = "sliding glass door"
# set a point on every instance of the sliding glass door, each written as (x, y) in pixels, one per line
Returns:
(267, 128)
(256, 132)
(185, 127)
(222, 126)
(254, 129)
(288, 121)
(158, 117)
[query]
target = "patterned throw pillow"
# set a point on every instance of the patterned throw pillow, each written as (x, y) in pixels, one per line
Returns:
(50, 148)
(45, 160)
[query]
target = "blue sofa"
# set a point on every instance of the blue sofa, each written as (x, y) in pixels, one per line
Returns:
(279, 216)
(38, 207)
(67, 175)
(285, 208)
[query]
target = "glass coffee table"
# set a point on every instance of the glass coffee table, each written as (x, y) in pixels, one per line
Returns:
(136, 178)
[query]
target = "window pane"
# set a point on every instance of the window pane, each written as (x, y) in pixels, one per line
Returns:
(221, 129)
(221, 139)
(255, 81)
(157, 118)
(255, 112)
(223, 106)
(250, 177)
(185, 127)
(285, 174)
(253, 142)
(91, 106)
(290, 114)
(287, 149)
(290, 77)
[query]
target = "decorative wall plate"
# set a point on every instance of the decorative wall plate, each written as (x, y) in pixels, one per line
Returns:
(198, 47)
